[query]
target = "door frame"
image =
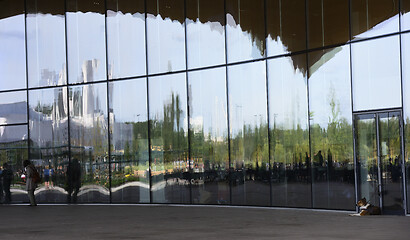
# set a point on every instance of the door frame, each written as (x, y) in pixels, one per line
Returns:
(356, 162)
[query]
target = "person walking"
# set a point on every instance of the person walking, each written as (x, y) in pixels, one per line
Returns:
(31, 184)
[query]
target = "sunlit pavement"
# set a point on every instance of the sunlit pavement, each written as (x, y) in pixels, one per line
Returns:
(191, 222)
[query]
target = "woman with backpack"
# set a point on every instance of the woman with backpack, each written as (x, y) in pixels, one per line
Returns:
(31, 181)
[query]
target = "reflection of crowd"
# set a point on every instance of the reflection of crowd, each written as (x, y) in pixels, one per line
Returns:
(301, 170)
(68, 177)
(392, 170)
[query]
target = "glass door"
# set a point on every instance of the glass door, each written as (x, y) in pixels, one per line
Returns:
(378, 156)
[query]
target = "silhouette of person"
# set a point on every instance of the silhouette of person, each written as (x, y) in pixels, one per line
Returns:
(73, 180)
(7, 176)
(1, 185)
(31, 185)
(320, 158)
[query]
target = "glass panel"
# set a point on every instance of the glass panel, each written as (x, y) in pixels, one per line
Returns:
(391, 162)
(289, 131)
(376, 74)
(374, 18)
(86, 40)
(209, 136)
(245, 29)
(331, 129)
(286, 26)
(405, 48)
(12, 45)
(249, 134)
(205, 33)
(405, 15)
(13, 107)
(328, 22)
(48, 126)
(366, 157)
(89, 144)
(126, 38)
(46, 43)
(169, 139)
(165, 36)
(129, 141)
(13, 150)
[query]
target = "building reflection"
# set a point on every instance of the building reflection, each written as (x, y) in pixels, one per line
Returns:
(205, 102)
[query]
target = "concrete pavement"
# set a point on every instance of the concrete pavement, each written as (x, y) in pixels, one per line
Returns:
(191, 222)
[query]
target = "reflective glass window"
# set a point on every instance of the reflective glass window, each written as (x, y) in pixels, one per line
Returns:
(374, 18)
(209, 136)
(126, 38)
(289, 131)
(13, 149)
(405, 40)
(286, 26)
(249, 170)
(86, 40)
(12, 45)
(165, 36)
(245, 29)
(13, 107)
(205, 33)
(88, 168)
(331, 129)
(169, 139)
(405, 15)
(46, 50)
(376, 74)
(328, 22)
(129, 141)
(48, 126)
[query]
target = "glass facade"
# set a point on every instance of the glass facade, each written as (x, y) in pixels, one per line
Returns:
(48, 130)
(286, 26)
(249, 152)
(328, 22)
(168, 114)
(46, 53)
(165, 28)
(12, 45)
(405, 50)
(129, 157)
(126, 38)
(86, 40)
(331, 128)
(376, 74)
(290, 103)
(208, 129)
(374, 18)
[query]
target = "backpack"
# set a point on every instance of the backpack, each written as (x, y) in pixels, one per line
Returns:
(36, 176)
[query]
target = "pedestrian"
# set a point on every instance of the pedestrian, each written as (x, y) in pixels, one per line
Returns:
(7, 176)
(1, 185)
(31, 184)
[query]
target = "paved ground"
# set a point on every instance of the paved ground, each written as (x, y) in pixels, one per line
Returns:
(191, 222)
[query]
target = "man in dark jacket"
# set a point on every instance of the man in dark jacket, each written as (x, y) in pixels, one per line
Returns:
(7, 176)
